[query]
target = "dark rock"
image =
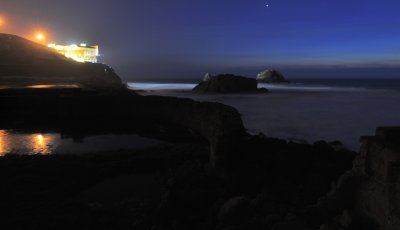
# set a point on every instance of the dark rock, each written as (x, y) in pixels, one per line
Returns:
(345, 219)
(389, 134)
(189, 198)
(265, 203)
(338, 199)
(219, 124)
(368, 196)
(271, 76)
(234, 210)
(228, 83)
(291, 223)
(377, 196)
(338, 146)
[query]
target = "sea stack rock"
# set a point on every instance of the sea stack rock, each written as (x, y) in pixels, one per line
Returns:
(207, 77)
(271, 76)
(228, 83)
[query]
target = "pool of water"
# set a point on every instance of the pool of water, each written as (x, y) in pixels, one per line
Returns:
(12, 142)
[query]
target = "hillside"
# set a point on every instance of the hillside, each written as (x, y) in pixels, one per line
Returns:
(23, 63)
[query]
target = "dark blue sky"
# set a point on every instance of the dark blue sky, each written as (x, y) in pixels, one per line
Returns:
(184, 39)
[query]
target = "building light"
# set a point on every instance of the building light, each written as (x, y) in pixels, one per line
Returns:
(81, 53)
(39, 36)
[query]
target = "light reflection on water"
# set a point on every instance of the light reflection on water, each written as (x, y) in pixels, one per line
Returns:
(3, 143)
(29, 144)
(51, 86)
(43, 144)
(52, 143)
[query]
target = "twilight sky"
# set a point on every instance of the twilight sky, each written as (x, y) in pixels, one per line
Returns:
(184, 39)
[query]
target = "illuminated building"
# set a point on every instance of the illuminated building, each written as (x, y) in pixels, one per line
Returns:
(79, 53)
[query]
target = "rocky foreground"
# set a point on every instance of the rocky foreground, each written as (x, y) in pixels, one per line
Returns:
(211, 174)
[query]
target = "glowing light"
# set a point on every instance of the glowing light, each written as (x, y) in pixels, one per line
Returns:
(39, 36)
(40, 138)
(41, 144)
(41, 86)
(3, 143)
(81, 53)
(2, 21)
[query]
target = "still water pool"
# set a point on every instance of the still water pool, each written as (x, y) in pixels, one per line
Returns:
(12, 142)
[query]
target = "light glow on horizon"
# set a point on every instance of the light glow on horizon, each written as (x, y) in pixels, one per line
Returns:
(2, 22)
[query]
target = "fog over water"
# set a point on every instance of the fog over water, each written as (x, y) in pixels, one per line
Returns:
(307, 112)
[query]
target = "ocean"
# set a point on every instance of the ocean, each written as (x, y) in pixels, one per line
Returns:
(306, 110)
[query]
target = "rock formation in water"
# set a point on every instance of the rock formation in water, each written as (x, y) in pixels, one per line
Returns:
(207, 77)
(24, 63)
(228, 83)
(271, 76)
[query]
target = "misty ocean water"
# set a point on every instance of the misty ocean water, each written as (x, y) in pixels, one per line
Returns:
(308, 111)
